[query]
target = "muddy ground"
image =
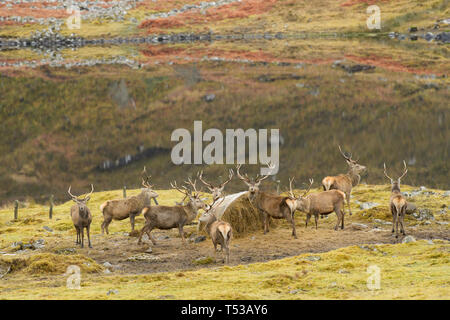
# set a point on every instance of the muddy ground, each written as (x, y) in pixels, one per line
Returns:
(169, 254)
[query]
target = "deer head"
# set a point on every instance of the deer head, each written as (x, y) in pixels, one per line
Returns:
(217, 191)
(301, 202)
(208, 216)
(147, 189)
(193, 194)
(396, 182)
(353, 164)
(253, 185)
(82, 203)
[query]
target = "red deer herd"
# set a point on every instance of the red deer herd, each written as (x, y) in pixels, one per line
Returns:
(337, 191)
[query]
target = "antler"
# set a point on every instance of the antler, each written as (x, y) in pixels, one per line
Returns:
(291, 192)
(230, 176)
(145, 178)
(405, 170)
(200, 176)
(73, 197)
(311, 181)
(343, 154)
(385, 173)
(193, 185)
(184, 191)
(245, 178)
(259, 178)
(89, 195)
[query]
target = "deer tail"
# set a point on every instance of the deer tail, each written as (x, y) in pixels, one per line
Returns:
(103, 205)
(327, 182)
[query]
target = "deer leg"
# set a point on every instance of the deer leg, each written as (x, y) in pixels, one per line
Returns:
(105, 224)
(89, 236)
(141, 233)
(180, 230)
(227, 255)
(132, 215)
(78, 234)
(266, 228)
(348, 203)
(308, 216)
(316, 217)
(338, 215)
(82, 237)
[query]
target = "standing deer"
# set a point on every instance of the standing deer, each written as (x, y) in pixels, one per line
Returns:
(219, 231)
(397, 202)
(274, 206)
(121, 209)
(345, 182)
(81, 216)
(322, 203)
(169, 217)
(217, 192)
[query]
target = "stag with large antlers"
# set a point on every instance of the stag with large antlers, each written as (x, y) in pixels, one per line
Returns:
(345, 182)
(81, 216)
(322, 203)
(269, 205)
(219, 231)
(397, 202)
(217, 191)
(169, 217)
(120, 209)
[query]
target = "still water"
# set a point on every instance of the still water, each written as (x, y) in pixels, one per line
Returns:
(98, 113)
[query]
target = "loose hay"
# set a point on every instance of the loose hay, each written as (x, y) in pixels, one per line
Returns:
(50, 263)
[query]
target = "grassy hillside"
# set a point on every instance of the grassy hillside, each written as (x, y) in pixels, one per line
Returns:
(66, 123)
(336, 274)
(252, 16)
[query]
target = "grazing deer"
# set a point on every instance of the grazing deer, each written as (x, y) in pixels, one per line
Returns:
(217, 192)
(169, 217)
(274, 206)
(121, 209)
(397, 201)
(345, 182)
(219, 231)
(81, 216)
(322, 203)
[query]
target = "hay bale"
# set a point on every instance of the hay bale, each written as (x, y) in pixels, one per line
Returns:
(244, 217)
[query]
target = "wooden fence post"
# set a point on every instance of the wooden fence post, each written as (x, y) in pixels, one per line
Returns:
(124, 191)
(16, 209)
(50, 212)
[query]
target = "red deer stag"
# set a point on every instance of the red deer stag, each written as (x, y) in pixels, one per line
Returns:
(219, 231)
(274, 206)
(322, 203)
(397, 202)
(81, 216)
(345, 182)
(121, 209)
(169, 217)
(217, 192)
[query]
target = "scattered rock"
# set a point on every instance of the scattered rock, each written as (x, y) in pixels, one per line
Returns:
(410, 208)
(167, 296)
(446, 193)
(107, 264)
(48, 229)
(423, 214)
(409, 239)
(144, 257)
(246, 259)
(162, 237)
(413, 29)
(313, 258)
(382, 222)
(368, 205)
(107, 271)
(199, 239)
(209, 97)
(149, 250)
(65, 251)
(343, 271)
(359, 226)
(112, 291)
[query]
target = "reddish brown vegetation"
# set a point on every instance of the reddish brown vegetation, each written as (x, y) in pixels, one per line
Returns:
(229, 11)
